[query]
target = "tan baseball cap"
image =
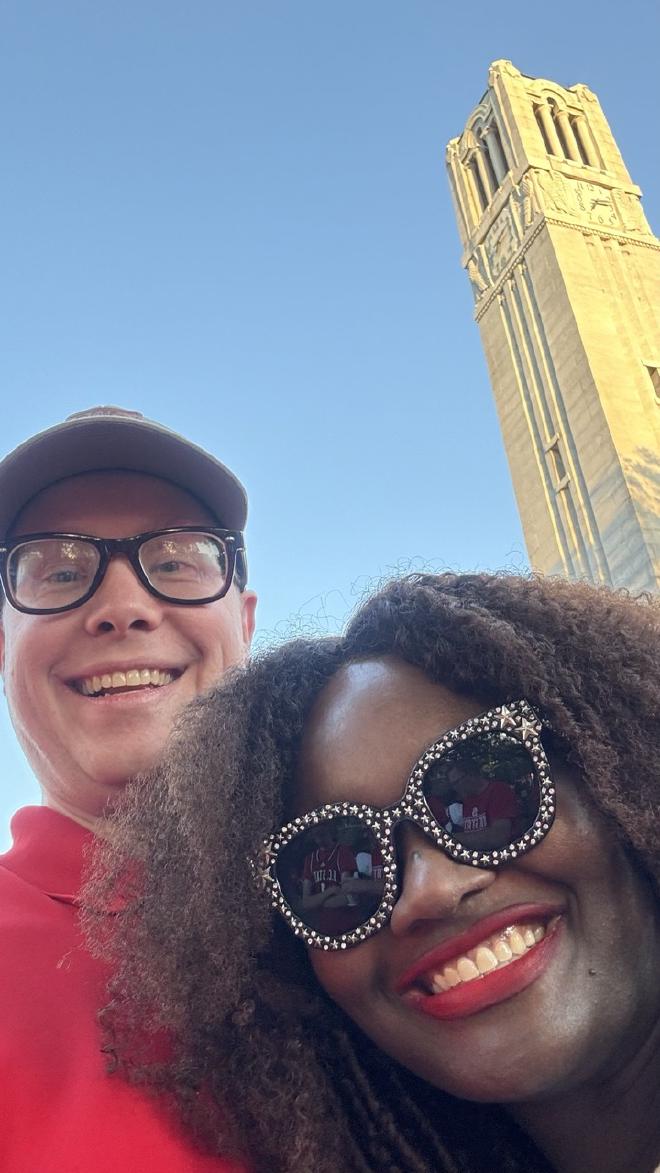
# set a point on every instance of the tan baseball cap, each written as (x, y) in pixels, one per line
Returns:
(114, 438)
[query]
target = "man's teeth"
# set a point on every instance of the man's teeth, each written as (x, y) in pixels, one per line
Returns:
(494, 953)
(134, 678)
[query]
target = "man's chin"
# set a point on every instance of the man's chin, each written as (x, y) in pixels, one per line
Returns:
(114, 784)
(110, 782)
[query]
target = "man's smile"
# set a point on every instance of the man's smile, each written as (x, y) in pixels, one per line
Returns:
(112, 681)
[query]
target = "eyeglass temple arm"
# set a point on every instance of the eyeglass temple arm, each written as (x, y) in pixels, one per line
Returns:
(241, 568)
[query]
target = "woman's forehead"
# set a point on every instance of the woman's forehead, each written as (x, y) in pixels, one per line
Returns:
(369, 726)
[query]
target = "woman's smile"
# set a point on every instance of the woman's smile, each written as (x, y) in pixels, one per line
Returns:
(489, 963)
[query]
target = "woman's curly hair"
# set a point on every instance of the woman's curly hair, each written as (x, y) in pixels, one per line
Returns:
(213, 1001)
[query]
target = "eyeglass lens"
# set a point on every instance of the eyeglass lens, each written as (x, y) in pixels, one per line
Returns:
(484, 792)
(47, 573)
(186, 565)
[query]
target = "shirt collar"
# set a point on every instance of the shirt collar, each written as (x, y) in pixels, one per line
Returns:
(48, 851)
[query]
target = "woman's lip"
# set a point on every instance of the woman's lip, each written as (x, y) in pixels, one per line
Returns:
(456, 946)
(498, 986)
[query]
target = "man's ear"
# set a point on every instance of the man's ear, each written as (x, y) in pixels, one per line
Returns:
(248, 611)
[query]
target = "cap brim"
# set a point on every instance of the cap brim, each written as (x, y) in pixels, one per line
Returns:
(93, 444)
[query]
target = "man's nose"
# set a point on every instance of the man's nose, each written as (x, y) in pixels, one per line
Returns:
(432, 885)
(121, 602)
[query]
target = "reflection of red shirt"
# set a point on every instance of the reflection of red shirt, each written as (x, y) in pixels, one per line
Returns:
(377, 865)
(438, 809)
(324, 867)
(371, 864)
(480, 811)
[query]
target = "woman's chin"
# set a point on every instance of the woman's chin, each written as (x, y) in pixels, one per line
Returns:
(509, 1087)
(503, 1062)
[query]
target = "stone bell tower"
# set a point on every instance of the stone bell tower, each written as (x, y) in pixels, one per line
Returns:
(566, 278)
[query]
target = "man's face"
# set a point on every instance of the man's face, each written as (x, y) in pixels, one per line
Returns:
(84, 747)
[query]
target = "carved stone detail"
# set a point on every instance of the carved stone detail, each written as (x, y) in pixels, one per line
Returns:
(631, 212)
(500, 67)
(528, 200)
(576, 199)
(501, 242)
(467, 143)
(477, 278)
(584, 92)
(552, 187)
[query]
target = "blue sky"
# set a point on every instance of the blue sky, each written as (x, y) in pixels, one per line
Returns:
(235, 218)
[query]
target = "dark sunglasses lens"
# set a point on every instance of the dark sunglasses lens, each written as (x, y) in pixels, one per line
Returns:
(332, 875)
(485, 791)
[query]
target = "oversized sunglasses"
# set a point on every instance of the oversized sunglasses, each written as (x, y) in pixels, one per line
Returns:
(45, 573)
(482, 792)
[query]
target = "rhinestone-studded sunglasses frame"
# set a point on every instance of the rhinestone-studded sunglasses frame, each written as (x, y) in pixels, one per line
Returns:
(516, 721)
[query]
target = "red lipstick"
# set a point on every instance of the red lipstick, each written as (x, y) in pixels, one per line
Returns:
(490, 988)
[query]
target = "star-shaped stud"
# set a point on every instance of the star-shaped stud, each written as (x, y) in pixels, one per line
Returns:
(263, 863)
(528, 728)
(507, 718)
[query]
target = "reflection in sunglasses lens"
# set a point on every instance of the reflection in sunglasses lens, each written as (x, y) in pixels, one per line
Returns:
(484, 792)
(332, 876)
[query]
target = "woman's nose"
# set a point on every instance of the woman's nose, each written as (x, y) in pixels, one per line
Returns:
(431, 885)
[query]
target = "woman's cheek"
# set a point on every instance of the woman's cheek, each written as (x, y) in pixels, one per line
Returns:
(345, 977)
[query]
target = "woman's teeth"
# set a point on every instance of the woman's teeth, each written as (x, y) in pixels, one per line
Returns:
(494, 953)
(134, 678)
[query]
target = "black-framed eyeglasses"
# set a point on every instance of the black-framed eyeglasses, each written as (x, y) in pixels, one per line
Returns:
(482, 792)
(45, 573)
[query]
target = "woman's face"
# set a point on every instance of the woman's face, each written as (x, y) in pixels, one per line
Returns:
(576, 1009)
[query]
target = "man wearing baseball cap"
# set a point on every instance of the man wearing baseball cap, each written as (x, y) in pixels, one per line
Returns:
(124, 572)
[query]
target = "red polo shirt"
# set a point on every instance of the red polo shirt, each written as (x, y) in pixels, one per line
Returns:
(60, 1112)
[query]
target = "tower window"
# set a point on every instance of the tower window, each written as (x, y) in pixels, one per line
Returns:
(581, 145)
(654, 375)
(540, 121)
(560, 127)
(495, 134)
(557, 465)
(479, 187)
(494, 181)
(493, 147)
